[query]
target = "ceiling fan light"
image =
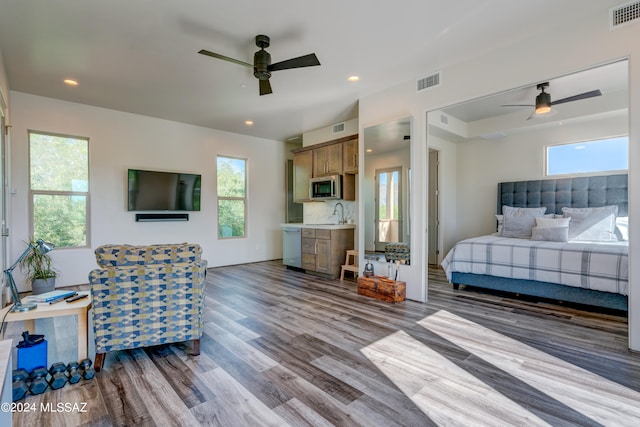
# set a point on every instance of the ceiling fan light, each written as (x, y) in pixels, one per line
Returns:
(543, 103)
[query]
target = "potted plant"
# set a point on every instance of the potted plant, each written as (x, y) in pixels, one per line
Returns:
(37, 267)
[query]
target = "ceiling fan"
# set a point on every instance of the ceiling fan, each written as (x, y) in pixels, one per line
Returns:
(543, 100)
(262, 66)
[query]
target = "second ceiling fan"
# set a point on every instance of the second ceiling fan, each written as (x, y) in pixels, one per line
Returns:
(262, 66)
(543, 100)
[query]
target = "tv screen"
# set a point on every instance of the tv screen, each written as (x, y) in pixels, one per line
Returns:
(163, 191)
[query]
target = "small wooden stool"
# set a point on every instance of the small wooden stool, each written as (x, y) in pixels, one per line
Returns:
(348, 266)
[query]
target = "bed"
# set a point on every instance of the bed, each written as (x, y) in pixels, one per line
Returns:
(583, 260)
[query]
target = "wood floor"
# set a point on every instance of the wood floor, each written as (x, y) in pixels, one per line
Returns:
(285, 348)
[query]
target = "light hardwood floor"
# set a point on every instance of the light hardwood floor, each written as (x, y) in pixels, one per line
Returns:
(285, 348)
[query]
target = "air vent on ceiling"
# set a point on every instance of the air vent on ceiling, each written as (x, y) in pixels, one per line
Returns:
(338, 128)
(428, 81)
(624, 14)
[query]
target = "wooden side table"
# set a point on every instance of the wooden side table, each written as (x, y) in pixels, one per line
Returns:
(63, 308)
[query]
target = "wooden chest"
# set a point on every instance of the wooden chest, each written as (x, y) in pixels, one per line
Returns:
(382, 288)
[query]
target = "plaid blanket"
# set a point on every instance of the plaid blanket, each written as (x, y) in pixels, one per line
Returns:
(597, 266)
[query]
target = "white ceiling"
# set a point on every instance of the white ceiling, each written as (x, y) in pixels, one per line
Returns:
(141, 56)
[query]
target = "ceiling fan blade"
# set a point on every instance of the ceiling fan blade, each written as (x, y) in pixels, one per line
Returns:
(585, 95)
(224, 58)
(265, 87)
(309, 60)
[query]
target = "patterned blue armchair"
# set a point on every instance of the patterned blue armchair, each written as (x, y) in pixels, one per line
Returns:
(147, 295)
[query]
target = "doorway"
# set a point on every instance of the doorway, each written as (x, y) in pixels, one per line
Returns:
(388, 207)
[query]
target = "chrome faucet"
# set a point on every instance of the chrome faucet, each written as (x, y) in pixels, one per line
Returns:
(341, 221)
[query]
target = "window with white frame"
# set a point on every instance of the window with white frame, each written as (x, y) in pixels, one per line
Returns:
(600, 155)
(232, 197)
(59, 188)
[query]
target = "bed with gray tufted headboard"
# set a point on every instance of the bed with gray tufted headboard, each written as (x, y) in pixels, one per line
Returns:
(564, 240)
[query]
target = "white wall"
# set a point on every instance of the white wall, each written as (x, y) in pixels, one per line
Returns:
(118, 141)
(325, 134)
(565, 50)
(4, 94)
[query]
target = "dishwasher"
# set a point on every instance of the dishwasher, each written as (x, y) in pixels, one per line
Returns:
(292, 246)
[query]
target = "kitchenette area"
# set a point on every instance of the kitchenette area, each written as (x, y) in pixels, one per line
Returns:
(323, 182)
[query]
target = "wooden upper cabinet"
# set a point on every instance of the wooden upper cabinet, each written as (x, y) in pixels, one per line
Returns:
(302, 170)
(350, 156)
(327, 160)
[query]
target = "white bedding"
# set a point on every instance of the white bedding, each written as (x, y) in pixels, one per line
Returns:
(589, 265)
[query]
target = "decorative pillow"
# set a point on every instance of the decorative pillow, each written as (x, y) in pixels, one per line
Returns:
(500, 219)
(552, 222)
(592, 224)
(551, 229)
(550, 234)
(518, 222)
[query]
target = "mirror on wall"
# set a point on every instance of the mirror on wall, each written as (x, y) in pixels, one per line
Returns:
(387, 161)
(500, 138)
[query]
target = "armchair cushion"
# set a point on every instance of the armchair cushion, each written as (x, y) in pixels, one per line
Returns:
(123, 255)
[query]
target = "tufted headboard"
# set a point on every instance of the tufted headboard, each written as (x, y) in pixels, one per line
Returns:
(579, 192)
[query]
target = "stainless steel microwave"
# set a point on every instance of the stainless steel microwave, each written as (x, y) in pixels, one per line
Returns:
(325, 188)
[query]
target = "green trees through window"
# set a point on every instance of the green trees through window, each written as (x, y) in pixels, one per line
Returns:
(59, 186)
(232, 196)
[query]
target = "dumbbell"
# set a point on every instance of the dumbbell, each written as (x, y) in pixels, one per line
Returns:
(87, 371)
(20, 387)
(73, 371)
(38, 380)
(58, 377)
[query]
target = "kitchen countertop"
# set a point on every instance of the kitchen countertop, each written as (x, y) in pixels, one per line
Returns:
(325, 226)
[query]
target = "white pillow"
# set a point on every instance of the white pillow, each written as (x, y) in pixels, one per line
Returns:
(592, 224)
(551, 229)
(552, 222)
(622, 228)
(500, 220)
(550, 234)
(518, 222)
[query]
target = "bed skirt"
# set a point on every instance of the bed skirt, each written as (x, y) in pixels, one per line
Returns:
(543, 290)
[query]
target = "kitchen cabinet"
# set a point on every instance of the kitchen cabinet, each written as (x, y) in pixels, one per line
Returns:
(350, 156)
(324, 159)
(327, 160)
(323, 250)
(302, 170)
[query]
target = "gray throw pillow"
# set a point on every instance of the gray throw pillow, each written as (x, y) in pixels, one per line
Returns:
(592, 224)
(518, 222)
(550, 234)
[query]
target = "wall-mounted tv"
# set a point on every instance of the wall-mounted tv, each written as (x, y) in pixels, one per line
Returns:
(163, 191)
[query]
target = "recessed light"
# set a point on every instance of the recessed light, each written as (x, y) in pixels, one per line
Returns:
(353, 78)
(248, 122)
(369, 150)
(70, 82)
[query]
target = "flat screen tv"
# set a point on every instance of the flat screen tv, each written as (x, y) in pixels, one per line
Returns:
(163, 191)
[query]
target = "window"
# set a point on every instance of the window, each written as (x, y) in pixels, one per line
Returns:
(59, 184)
(601, 155)
(232, 197)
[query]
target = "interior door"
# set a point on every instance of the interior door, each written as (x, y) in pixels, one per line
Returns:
(388, 207)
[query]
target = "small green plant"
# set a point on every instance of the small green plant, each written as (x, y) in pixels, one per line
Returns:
(37, 265)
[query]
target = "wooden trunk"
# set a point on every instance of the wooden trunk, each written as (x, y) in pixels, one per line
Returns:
(382, 288)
